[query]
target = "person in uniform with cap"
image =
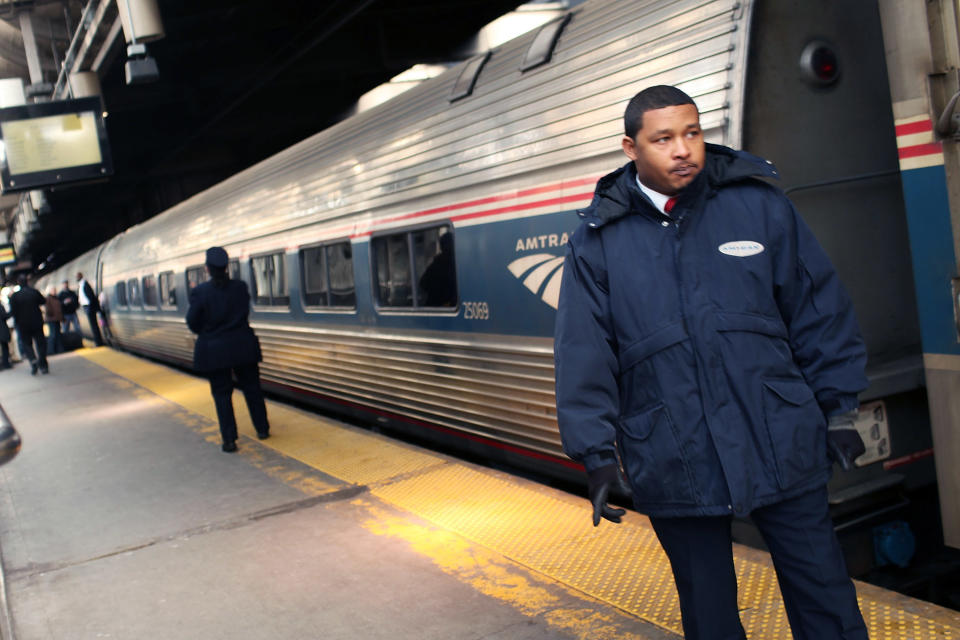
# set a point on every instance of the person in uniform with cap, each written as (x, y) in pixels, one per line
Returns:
(226, 346)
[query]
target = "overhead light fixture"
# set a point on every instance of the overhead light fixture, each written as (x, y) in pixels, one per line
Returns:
(140, 67)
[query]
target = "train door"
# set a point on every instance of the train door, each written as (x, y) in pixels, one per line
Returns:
(817, 103)
(923, 57)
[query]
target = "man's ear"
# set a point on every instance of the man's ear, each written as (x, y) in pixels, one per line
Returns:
(629, 147)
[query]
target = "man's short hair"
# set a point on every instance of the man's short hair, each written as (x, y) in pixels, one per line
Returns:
(655, 97)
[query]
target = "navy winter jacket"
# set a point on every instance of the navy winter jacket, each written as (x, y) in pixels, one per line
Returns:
(218, 315)
(706, 348)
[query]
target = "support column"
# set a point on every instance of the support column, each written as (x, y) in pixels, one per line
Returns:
(30, 47)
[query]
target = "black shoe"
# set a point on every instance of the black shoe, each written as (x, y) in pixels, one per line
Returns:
(44, 371)
(263, 435)
(33, 369)
(229, 447)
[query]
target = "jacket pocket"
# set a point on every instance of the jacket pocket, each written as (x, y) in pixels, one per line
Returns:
(654, 461)
(797, 430)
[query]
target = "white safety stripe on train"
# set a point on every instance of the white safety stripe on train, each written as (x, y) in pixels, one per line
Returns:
(916, 146)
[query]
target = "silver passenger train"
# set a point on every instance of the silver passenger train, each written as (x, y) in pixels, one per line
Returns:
(405, 264)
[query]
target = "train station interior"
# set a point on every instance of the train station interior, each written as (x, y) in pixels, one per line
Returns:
(397, 185)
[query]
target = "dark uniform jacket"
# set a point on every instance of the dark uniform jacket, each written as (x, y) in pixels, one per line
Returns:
(706, 348)
(25, 308)
(69, 301)
(4, 329)
(218, 315)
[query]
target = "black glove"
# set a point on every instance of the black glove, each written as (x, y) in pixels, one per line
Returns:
(844, 444)
(599, 483)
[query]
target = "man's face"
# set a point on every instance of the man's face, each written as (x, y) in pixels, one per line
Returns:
(669, 150)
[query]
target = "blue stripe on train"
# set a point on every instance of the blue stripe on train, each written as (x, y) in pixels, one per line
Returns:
(934, 259)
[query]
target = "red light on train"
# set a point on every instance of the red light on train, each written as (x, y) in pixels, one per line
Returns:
(819, 64)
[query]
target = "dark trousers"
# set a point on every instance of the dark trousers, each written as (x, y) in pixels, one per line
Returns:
(54, 342)
(248, 381)
(94, 325)
(818, 595)
(27, 341)
(5, 348)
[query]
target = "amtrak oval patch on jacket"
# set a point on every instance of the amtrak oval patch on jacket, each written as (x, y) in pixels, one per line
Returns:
(741, 248)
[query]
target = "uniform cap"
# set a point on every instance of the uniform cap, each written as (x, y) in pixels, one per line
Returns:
(217, 257)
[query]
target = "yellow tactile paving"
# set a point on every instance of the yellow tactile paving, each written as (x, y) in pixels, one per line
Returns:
(546, 531)
(353, 456)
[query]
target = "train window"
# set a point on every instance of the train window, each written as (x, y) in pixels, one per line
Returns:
(233, 269)
(269, 280)
(326, 275)
(416, 269)
(168, 290)
(149, 290)
(120, 293)
(133, 292)
(463, 87)
(391, 256)
(541, 49)
(195, 276)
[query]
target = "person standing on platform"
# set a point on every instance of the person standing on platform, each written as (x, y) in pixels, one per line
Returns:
(53, 314)
(4, 339)
(69, 303)
(25, 308)
(90, 304)
(226, 346)
(704, 341)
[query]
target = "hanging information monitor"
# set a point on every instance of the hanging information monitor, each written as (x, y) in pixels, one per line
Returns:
(51, 143)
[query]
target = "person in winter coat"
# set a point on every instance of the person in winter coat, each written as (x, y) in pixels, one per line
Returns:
(226, 346)
(4, 339)
(704, 341)
(53, 314)
(25, 308)
(69, 303)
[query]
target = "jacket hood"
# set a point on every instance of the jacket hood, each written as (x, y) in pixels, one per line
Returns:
(616, 194)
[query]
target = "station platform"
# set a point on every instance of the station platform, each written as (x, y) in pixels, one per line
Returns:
(122, 518)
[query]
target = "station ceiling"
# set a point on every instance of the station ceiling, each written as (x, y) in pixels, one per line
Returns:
(239, 81)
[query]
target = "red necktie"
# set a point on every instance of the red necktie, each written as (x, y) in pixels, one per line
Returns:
(668, 205)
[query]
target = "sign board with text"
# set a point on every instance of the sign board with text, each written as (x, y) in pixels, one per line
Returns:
(51, 143)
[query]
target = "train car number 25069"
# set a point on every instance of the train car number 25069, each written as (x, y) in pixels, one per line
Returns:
(476, 311)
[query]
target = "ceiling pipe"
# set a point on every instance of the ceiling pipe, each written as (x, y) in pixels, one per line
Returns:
(90, 20)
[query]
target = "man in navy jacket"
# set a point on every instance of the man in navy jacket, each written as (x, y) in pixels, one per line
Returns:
(226, 346)
(704, 342)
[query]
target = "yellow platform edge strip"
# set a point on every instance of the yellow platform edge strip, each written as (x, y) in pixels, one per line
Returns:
(545, 530)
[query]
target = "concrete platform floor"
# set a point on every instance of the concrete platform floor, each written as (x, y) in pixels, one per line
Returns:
(121, 518)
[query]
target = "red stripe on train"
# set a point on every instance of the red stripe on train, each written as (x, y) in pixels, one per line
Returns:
(907, 459)
(913, 151)
(491, 199)
(347, 228)
(577, 197)
(914, 127)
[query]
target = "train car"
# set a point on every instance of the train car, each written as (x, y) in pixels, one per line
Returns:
(405, 264)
